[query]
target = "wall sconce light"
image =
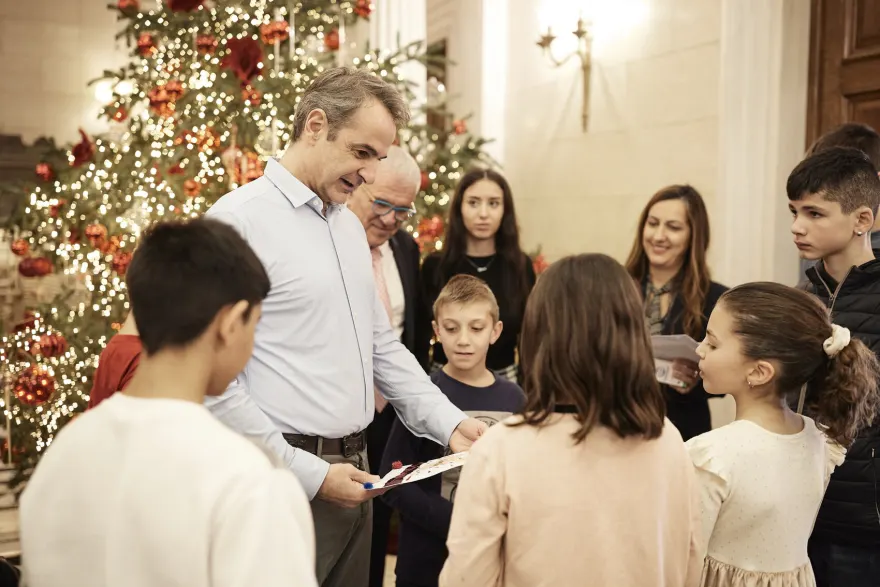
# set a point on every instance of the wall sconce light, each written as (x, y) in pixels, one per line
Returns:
(583, 51)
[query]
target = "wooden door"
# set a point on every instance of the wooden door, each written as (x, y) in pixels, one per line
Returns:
(844, 81)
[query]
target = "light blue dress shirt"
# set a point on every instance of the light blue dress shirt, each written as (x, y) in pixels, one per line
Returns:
(324, 333)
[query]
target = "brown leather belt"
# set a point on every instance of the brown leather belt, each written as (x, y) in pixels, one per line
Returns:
(347, 446)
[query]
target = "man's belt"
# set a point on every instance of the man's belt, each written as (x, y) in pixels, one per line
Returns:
(347, 446)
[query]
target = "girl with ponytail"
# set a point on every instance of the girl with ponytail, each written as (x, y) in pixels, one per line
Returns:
(763, 476)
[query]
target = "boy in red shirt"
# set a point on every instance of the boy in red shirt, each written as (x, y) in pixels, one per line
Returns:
(117, 363)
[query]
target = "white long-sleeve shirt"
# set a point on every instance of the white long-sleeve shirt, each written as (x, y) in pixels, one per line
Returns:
(324, 338)
(146, 492)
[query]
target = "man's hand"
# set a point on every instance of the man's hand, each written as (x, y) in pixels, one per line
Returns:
(344, 486)
(466, 433)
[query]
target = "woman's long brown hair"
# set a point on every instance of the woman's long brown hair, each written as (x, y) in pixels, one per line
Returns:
(694, 278)
(585, 344)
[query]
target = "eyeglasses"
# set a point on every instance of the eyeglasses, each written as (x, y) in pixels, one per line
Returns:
(383, 208)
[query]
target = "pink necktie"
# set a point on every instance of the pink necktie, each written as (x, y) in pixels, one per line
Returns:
(382, 290)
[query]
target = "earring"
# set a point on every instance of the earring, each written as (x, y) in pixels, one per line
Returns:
(749, 382)
(860, 233)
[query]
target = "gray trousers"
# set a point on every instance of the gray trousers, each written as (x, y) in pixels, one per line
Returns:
(343, 536)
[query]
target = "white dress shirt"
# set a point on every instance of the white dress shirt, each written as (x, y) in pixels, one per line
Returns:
(324, 334)
(395, 288)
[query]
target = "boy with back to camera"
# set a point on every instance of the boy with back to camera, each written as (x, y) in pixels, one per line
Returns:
(148, 488)
(833, 196)
(466, 324)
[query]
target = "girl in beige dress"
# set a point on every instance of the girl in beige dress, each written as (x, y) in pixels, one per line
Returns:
(591, 485)
(763, 476)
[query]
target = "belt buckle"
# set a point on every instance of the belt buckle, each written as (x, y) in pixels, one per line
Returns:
(351, 445)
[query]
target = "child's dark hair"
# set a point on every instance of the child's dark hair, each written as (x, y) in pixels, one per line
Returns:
(788, 326)
(838, 174)
(183, 273)
(853, 135)
(585, 343)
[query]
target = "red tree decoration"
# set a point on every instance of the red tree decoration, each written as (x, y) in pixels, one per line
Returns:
(34, 385)
(245, 59)
(84, 150)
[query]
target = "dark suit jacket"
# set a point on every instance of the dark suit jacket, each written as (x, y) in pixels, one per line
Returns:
(407, 257)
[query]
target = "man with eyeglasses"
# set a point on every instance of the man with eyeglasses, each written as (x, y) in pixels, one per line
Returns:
(382, 208)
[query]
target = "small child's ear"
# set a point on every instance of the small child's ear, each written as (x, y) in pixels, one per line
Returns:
(496, 331)
(231, 319)
(436, 328)
(864, 219)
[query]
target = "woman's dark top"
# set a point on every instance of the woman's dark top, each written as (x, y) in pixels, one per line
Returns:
(689, 412)
(497, 275)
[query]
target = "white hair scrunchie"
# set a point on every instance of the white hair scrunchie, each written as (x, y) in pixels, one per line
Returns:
(838, 340)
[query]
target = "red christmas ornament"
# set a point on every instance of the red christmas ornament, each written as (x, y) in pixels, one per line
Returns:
(245, 59)
(45, 172)
(426, 181)
(176, 170)
(146, 45)
(34, 385)
(120, 114)
(83, 151)
(275, 32)
(55, 209)
(206, 44)
(429, 229)
(128, 5)
(253, 168)
(120, 262)
(540, 264)
(96, 233)
(50, 345)
(331, 40)
(184, 5)
(110, 246)
(174, 89)
(191, 188)
(35, 267)
(20, 247)
(73, 236)
(249, 94)
(363, 8)
(459, 127)
(160, 102)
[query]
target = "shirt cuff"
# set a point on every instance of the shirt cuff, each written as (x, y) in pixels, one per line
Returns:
(310, 470)
(444, 421)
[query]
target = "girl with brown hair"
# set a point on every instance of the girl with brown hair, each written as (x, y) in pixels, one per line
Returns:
(590, 485)
(668, 262)
(763, 476)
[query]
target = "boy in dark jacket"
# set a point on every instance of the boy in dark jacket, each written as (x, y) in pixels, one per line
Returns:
(466, 323)
(833, 196)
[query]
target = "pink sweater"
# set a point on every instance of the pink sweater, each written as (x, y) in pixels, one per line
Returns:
(533, 509)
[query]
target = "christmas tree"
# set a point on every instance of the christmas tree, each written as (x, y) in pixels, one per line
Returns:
(208, 95)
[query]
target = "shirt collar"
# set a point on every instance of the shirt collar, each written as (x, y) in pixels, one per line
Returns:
(293, 189)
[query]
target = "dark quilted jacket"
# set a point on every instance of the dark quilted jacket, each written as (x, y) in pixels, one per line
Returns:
(849, 512)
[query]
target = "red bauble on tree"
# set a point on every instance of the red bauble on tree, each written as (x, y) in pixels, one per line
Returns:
(50, 345)
(146, 45)
(128, 5)
(35, 267)
(274, 32)
(45, 172)
(425, 182)
(34, 386)
(121, 261)
(83, 151)
(191, 188)
(55, 209)
(160, 102)
(184, 5)
(96, 233)
(248, 167)
(174, 88)
(119, 114)
(176, 170)
(249, 94)
(206, 44)
(20, 247)
(245, 59)
(363, 8)
(110, 246)
(459, 127)
(331, 40)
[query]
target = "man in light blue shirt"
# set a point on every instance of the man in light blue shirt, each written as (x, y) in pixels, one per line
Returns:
(325, 337)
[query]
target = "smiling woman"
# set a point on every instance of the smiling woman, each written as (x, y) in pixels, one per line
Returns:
(668, 262)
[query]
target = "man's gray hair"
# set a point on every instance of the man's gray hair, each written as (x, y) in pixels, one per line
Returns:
(340, 91)
(400, 164)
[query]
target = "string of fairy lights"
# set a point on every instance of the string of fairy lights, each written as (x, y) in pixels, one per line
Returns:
(209, 94)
